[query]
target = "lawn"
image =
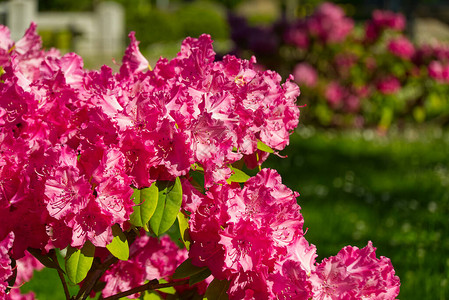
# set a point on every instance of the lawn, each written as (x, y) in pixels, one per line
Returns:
(358, 186)
(392, 190)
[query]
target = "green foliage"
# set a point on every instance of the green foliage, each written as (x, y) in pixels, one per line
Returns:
(262, 147)
(183, 223)
(217, 290)
(168, 205)
(158, 26)
(79, 261)
(237, 175)
(187, 269)
(202, 17)
(146, 203)
(119, 245)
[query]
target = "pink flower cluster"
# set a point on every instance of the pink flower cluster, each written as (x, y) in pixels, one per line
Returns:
(74, 143)
(382, 20)
(436, 58)
(328, 24)
(86, 137)
(253, 237)
(401, 47)
(14, 274)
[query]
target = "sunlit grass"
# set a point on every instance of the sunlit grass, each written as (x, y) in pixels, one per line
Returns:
(392, 190)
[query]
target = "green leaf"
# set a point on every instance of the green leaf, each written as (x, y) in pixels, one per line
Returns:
(262, 147)
(197, 180)
(196, 167)
(419, 114)
(217, 290)
(199, 276)
(151, 295)
(168, 290)
(237, 176)
(168, 205)
(187, 269)
(79, 261)
(184, 229)
(146, 200)
(119, 245)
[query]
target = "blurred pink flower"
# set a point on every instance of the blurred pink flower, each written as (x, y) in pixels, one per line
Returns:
(438, 71)
(305, 74)
(389, 19)
(352, 103)
(382, 20)
(401, 47)
(334, 93)
(329, 23)
(388, 85)
(298, 35)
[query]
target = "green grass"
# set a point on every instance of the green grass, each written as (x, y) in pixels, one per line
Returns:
(392, 190)
(359, 186)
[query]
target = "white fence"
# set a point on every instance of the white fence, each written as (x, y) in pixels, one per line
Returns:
(101, 32)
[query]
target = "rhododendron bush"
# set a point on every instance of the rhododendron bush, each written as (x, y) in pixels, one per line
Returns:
(354, 74)
(97, 166)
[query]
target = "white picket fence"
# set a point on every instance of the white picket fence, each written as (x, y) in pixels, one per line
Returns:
(101, 32)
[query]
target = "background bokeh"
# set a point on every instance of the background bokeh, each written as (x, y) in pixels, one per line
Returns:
(370, 157)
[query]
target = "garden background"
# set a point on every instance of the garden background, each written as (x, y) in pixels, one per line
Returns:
(374, 170)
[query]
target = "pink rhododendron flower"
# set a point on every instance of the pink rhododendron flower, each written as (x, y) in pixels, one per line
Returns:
(401, 47)
(75, 143)
(334, 93)
(25, 268)
(389, 19)
(329, 23)
(355, 273)
(438, 71)
(382, 20)
(305, 74)
(298, 35)
(388, 85)
(5, 262)
(150, 258)
(245, 232)
(352, 103)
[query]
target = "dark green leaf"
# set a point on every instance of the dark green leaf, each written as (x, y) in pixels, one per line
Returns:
(199, 276)
(217, 290)
(79, 261)
(187, 269)
(168, 205)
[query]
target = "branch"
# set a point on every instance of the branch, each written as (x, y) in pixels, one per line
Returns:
(152, 285)
(52, 254)
(93, 276)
